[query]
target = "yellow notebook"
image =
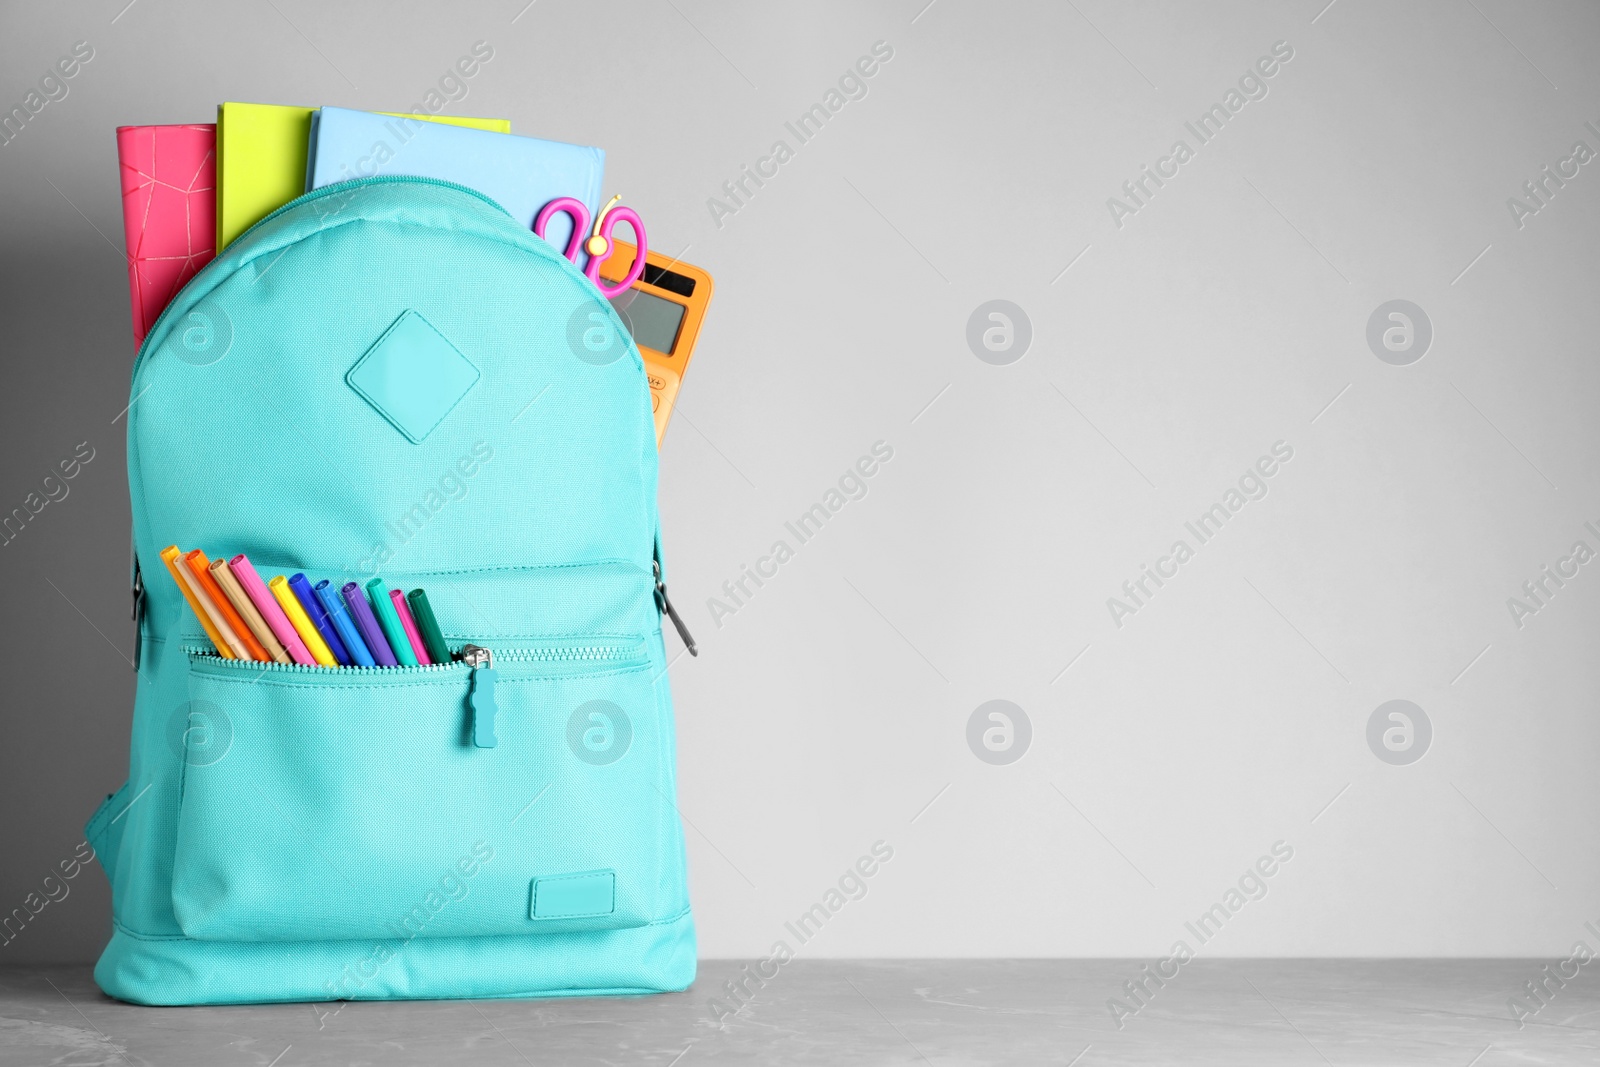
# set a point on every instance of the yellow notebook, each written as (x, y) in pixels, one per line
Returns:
(261, 159)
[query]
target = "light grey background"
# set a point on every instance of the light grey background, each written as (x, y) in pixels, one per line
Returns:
(831, 711)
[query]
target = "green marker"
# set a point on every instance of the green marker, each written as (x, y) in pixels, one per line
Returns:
(432, 636)
(389, 619)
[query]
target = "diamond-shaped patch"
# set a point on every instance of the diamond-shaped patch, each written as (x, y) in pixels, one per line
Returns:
(413, 376)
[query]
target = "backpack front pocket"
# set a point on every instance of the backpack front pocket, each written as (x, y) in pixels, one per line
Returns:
(337, 803)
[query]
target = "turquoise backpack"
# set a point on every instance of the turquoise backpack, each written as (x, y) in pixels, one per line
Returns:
(391, 377)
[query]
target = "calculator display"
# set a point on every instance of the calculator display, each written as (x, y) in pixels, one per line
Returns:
(653, 322)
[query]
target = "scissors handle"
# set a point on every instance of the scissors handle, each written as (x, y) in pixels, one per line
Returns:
(612, 217)
(575, 210)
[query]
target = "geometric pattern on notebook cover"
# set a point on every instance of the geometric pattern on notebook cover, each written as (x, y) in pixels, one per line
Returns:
(169, 212)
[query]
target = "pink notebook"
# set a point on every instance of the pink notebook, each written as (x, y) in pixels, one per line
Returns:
(169, 211)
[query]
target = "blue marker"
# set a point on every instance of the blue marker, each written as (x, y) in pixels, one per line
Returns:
(319, 617)
(341, 622)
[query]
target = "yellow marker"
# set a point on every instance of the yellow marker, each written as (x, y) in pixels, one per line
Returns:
(180, 574)
(301, 621)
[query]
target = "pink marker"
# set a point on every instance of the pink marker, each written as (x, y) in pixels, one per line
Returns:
(409, 624)
(267, 604)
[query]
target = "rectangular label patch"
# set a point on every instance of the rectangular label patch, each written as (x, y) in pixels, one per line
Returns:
(572, 896)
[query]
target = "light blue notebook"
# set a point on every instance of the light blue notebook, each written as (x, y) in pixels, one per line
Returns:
(521, 174)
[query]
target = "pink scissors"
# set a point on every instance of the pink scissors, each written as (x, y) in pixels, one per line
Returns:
(598, 244)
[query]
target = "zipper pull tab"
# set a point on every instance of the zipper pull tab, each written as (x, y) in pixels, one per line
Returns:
(138, 613)
(664, 605)
(481, 697)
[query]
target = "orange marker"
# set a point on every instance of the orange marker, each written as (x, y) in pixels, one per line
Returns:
(169, 556)
(247, 610)
(197, 563)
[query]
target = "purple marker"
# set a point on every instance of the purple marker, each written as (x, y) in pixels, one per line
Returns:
(367, 623)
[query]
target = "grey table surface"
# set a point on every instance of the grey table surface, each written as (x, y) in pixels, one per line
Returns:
(1451, 1013)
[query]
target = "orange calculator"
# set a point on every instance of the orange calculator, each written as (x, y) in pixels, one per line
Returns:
(663, 311)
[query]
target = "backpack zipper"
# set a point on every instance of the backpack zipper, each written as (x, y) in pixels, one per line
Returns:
(481, 697)
(315, 194)
(478, 661)
(565, 654)
(671, 612)
(138, 613)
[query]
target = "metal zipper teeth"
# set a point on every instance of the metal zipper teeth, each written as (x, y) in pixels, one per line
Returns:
(211, 656)
(568, 652)
(585, 653)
